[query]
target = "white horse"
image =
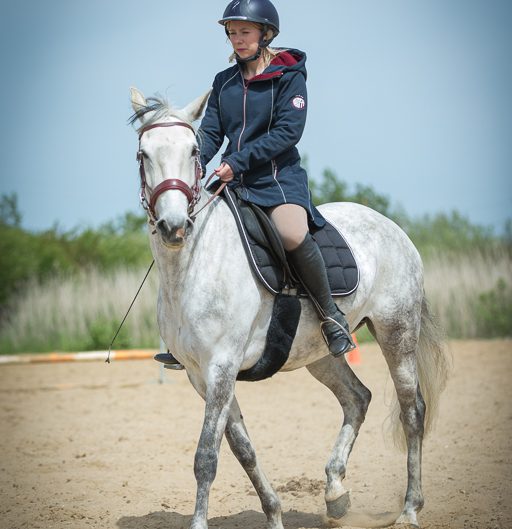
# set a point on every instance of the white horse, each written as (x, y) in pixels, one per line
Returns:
(213, 314)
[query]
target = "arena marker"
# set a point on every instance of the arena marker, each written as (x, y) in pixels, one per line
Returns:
(354, 356)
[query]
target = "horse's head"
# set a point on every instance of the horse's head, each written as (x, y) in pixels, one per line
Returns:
(170, 169)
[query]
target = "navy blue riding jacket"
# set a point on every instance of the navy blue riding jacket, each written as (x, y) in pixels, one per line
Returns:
(263, 119)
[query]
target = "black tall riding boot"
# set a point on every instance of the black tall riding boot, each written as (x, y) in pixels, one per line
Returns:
(309, 264)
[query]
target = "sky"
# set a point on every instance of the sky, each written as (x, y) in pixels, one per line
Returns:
(411, 97)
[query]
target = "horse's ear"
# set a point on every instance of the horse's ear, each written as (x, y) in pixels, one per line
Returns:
(137, 98)
(194, 110)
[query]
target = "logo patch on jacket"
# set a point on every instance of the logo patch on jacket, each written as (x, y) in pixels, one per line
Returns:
(299, 102)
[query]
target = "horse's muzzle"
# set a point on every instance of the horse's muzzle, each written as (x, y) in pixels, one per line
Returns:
(173, 236)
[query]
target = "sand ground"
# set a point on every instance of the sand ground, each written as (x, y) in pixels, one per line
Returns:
(93, 445)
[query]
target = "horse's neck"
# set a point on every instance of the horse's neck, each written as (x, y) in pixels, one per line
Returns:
(203, 252)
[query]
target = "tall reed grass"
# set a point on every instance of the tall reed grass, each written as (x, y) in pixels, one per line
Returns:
(470, 293)
(82, 312)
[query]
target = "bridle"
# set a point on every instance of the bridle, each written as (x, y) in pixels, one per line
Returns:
(192, 193)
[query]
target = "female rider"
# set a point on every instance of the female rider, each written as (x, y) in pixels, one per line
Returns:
(260, 105)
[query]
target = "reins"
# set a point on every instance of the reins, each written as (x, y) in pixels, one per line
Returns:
(128, 311)
(210, 200)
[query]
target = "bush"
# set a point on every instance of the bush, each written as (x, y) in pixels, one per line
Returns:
(26, 256)
(493, 311)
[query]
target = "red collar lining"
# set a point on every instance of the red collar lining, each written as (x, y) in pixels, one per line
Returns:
(284, 58)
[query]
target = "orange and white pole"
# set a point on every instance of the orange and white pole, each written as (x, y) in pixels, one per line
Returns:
(85, 356)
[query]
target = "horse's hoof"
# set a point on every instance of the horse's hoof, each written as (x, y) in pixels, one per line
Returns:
(339, 507)
(407, 521)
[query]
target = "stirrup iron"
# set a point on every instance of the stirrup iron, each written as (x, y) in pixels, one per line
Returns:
(169, 361)
(344, 336)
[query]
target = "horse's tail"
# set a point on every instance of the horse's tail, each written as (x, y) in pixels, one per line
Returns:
(433, 365)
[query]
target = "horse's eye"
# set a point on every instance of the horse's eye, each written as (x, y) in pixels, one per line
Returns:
(195, 151)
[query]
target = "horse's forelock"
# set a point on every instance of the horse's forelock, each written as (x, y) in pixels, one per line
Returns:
(160, 109)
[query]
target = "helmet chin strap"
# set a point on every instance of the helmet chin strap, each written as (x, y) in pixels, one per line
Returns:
(254, 57)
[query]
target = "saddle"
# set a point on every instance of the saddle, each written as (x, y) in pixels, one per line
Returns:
(267, 257)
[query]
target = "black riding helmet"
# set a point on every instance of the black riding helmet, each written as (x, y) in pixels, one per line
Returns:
(258, 11)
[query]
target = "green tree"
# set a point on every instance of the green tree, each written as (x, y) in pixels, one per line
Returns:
(451, 232)
(329, 189)
(9, 212)
(332, 189)
(367, 196)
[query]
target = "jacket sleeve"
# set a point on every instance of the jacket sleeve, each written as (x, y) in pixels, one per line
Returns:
(285, 132)
(211, 131)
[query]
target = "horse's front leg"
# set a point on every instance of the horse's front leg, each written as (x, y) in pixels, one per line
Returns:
(218, 393)
(241, 446)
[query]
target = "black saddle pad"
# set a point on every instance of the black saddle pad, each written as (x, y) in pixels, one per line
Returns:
(340, 262)
(267, 257)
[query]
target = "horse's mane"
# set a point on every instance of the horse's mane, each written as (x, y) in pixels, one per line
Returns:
(161, 109)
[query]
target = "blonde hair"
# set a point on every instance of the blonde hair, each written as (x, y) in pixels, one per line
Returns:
(267, 53)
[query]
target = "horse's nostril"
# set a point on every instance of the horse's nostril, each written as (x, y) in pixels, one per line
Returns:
(163, 227)
(171, 234)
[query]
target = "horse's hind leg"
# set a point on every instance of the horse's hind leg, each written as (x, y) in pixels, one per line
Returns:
(399, 344)
(354, 398)
(241, 446)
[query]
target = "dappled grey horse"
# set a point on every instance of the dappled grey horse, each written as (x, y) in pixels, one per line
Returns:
(214, 316)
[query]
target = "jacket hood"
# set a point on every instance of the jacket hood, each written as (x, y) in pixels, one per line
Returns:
(287, 60)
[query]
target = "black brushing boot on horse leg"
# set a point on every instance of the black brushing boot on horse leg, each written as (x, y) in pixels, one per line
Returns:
(168, 360)
(309, 264)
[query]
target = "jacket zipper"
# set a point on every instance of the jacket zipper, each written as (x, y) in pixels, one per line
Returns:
(274, 174)
(246, 88)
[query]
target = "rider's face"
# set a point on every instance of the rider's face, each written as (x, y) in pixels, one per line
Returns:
(244, 37)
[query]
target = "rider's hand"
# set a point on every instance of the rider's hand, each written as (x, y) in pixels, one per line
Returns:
(224, 172)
